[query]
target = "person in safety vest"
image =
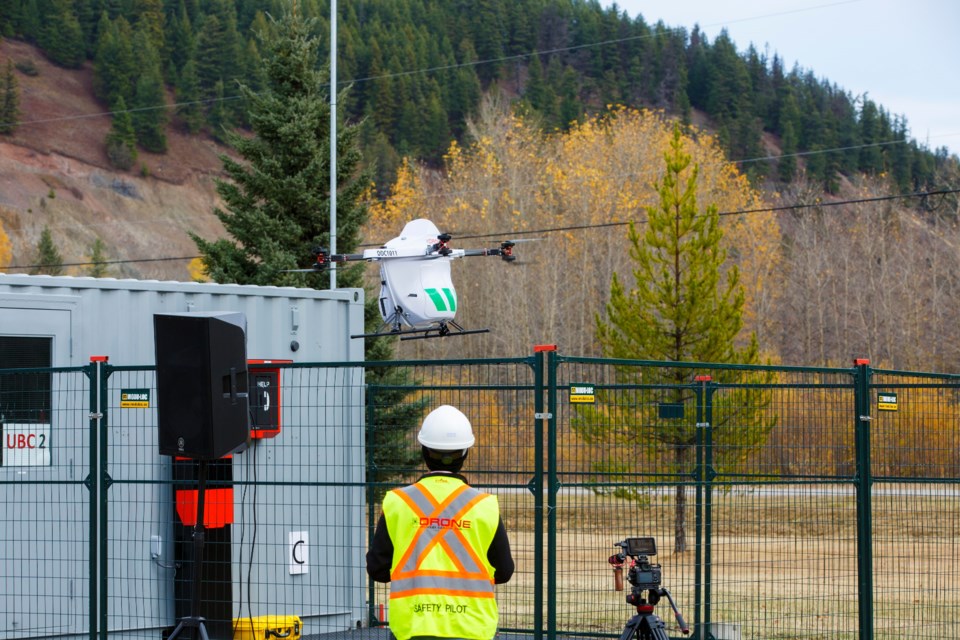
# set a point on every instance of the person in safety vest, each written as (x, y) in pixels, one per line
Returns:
(441, 543)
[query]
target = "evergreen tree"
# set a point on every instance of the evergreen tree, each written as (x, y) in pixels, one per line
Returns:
(380, 94)
(536, 90)
(686, 306)
(150, 20)
(30, 25)
(61, 36)
(48, 261)
(901, 162)
(88, 15)
(787, 165)
(487, 30)
(114, 65)
(466, 92)
(149, 100)
(211, 61)
(10, 108)
(571, 108)
(180, 42)
(122, 139)
(219, 56)
(276, 199)
(98, 267)
(218, 117)
(871, 155)
(189, 107)
(10, 17)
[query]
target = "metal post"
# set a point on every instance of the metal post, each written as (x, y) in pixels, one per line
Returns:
(333, 140)
(708, 474)
(705, 474)
(537, 488)
(93, 485)
(698, 633)
(372, 618)
(864, 485)
(552, 487)
(99, 482)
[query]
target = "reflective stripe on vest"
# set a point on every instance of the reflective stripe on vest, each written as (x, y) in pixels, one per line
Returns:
(440, 524)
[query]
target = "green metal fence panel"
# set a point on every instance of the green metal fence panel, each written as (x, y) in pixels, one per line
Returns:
(45, 532)
(786, 502)
(744, 476)
(285, 524)
(499, 398)
(915, 455)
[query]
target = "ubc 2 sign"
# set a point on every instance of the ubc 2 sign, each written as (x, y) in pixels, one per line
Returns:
(26, 445)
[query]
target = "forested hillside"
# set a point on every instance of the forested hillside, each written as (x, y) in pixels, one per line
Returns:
(416, 71)
(492, 117)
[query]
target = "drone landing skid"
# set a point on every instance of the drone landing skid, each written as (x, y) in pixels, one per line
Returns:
(442, 331)
(438, 330)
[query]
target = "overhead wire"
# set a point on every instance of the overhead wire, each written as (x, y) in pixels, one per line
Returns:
(566, 228)
(470, 64)
(438, 68)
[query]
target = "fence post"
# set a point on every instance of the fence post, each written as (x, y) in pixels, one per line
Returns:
(98, 372)
(544, 414)
(864, 484)
(536, 485)
(704, 474)
(370, 396)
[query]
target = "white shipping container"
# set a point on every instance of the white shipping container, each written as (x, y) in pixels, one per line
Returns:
(297, 541)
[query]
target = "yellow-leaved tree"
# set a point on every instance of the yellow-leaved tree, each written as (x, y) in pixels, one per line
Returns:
(575, 192)
(6, 248)
(198, 270)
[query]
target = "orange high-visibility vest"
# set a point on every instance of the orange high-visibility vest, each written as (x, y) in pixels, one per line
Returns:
(441, 583)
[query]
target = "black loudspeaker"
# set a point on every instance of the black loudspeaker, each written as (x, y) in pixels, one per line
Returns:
(202, 408)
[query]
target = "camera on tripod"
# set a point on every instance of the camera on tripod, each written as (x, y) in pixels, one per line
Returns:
(642, 574)
(645, 593)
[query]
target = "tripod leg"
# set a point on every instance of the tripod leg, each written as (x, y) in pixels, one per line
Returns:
(631, 630)
(652, 628)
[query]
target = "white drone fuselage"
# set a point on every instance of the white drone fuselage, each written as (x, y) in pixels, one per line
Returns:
(416, 287)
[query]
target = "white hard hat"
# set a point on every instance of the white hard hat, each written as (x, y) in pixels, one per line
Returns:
(446, 429)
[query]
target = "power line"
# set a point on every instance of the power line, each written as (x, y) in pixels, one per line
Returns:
(581, 227)
(100, 114)
(430, 70)
(738, 212)
(103, 262)
(625, 175)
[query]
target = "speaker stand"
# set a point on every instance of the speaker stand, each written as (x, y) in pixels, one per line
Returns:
(195, 621)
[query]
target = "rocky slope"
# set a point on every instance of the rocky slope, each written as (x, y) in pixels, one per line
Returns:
(54, 173)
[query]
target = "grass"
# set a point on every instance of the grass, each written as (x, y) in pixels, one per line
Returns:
(782, 564)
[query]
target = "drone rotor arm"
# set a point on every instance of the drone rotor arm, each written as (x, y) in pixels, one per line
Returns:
(505, 251)
(346, 257)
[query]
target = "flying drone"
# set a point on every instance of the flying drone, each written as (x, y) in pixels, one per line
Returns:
(417, 297)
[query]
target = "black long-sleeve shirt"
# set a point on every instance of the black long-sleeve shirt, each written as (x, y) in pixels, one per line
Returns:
(380, 555)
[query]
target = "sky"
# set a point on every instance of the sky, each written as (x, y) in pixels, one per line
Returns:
(905, 54)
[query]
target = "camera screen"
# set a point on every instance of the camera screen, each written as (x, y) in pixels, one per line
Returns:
(641, 546)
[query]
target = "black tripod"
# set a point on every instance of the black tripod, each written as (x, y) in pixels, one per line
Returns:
(643, 575)
(646, 625)
(195, 621)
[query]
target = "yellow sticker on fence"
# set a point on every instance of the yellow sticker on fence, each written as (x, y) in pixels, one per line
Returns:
(581, 393)
(886, 401)
(135, 398)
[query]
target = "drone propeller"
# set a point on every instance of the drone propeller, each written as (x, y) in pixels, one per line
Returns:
(323, 260)
(442, 246)
(505, 250)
